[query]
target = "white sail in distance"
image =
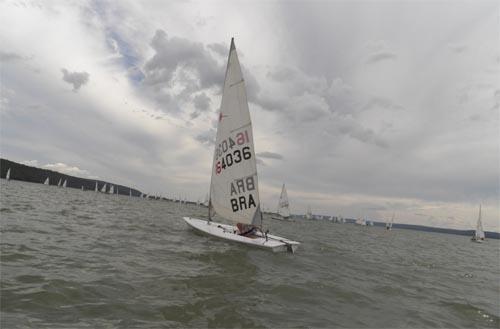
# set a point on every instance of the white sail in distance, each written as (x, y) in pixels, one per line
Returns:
(103, 189)
(7, 175)
(283, 206)
(46, 181)
(479, 234)
(234, 188)
(112, 190)
(96, 187)
(65, 183)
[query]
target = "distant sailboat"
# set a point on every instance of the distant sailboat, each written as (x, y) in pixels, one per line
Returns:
(283, 206)
(104, 188)
(59, 183)
(360, 221)
(309, 213)
(7, 175)
(234, 189)
(46, 181)
(96, 187)
(112, 190)
(388, 225)
(65, 183)
(479, 232)
(130, 193)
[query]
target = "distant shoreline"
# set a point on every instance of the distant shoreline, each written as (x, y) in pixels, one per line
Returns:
(31, 174)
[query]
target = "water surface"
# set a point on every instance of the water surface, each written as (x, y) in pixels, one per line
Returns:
(80, 259)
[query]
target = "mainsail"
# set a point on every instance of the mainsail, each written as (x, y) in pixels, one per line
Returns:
(46, 181)
(7, 176)
(112, 190)
(283, 206)
(479, 234)
(65, 183)
(103, 189)
(234, 188)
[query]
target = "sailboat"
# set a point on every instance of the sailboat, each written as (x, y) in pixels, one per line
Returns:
(360, 221)
(96, 189)
(309, 213)
(478, 233)
(7, 175)
(47, 181)
(234, 189)
(130, 192)
(103, 189)
(283, 206)
(59, 183)
(388, 225)
(112, 190)
(65, 183)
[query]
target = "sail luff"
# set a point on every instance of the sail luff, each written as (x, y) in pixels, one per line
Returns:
(234, 182)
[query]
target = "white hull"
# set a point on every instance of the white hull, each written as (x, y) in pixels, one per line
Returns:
(227, 232)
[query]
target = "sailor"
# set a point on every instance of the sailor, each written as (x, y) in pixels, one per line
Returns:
(245, 229)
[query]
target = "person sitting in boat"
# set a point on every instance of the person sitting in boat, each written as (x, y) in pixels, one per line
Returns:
(245, 229)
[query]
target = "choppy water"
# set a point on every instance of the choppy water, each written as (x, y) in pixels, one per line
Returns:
(73, 259)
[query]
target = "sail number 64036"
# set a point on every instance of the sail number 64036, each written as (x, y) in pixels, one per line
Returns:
(233, 158)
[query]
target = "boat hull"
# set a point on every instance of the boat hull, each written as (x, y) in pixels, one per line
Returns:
(229, 232)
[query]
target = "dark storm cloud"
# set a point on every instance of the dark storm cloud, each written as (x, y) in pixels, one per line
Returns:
(270, 155)
(77, 79)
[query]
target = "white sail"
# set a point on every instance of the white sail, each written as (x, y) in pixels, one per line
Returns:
(103, 189)
(283, 206)
(234, 188)
(112, 190)
(479, 234)
(46, 181)
(59, 183)
(388, 225)
(7, 175)
(65, 183)
(309, 213)
(96, 186)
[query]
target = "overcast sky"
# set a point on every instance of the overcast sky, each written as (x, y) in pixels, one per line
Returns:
(363, 108)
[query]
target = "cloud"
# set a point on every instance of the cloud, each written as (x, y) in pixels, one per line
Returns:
(77, 79)
(380, 56)
(270, 155)
(206, 137)
(31, 163)
(219, 48)
(67, 169)
(378, 51)
(10, 57)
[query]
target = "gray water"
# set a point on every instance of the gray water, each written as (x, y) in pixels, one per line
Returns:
(80, 259)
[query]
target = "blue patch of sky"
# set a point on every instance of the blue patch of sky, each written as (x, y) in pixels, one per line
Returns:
(129, 58)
